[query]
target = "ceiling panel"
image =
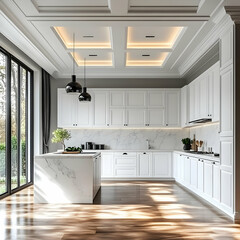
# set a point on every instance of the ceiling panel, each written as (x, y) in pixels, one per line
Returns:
(104, 59)
(153, 59)
(85, 37)
(152, 37)
(172, 3)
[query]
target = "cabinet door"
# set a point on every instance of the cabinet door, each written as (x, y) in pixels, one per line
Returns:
(216, 93)
(156, 117)
(216, 182)
(181, 168)
(135, 117)
(187, 170)
(117, 117)
(184, 106)
(200, 175)
(67, 109)
(175, 165)
(145, 164)
(107, 165)
(226, 122)
(194, 173)
(117, 99)
(192, 101)
(173, 108)
(100, 108)
(84, 114)
(197, 98)
(208, 178)
(203, 102)
(136, 99)
(156, 99)
(162, 165)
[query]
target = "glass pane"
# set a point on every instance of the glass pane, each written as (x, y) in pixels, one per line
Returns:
(3, 182)
(28, 127)
(14, 121)
(23, 172)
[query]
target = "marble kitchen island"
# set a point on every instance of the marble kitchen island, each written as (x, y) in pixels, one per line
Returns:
(67, 178)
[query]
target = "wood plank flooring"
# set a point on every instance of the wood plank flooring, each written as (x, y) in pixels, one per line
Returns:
(122, 210)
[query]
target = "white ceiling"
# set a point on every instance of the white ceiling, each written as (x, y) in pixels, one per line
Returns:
(118, 38)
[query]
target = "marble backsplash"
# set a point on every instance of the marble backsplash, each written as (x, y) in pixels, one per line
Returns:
(130, 139)
(209, 135)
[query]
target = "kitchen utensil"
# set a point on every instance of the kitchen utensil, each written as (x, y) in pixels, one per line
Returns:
(201, 143)
(101, 146)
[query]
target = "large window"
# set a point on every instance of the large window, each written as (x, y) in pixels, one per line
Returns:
(16, 149)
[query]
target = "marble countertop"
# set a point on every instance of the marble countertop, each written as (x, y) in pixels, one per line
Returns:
(131, 150)
(91, 154)
(209, 157)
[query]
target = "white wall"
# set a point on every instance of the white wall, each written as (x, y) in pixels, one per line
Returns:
(209, 135)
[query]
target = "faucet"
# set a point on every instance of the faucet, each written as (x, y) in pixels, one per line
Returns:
(148, 145)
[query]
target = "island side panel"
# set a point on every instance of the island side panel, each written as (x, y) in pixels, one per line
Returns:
(63, 180)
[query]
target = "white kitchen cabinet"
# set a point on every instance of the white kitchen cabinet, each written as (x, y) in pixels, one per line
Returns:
(117, 117)
(203, 96)
(135, 117)
(162, 165)
(144, 164)
(67, 109)
(101, 108)
(107, 165)
(175, 166)
(97, 174)
(200, 176)
(194, 173)
(208, 178)
(184, 106)
(187, 171)
(215, 76)
(156, 99)
(192, 101)
(197, 98)
(226, 112)
(71, 112)
(136, 99)
(172, 108)
(117, 99)
(181, 168)
(216, 181)
(226, 189)
(155, 117)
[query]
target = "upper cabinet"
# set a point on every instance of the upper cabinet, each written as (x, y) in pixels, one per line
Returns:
(121, 108)
(204, 95)
(71, 112)
(184, 106)
(172, 108)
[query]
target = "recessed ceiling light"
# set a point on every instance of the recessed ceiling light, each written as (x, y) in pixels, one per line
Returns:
(149, 36)
(146, 55)
(88, 36)
(92, 55)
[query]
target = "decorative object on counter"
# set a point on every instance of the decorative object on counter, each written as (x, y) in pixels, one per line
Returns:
(89, 145)
(84, 96)
(72, 150)
(73, 86)
(60, 135)
(200, 146)
(194, 146)
(82, 146)
(187, 143)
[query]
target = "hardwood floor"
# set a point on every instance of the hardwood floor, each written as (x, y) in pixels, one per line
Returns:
(121, 210)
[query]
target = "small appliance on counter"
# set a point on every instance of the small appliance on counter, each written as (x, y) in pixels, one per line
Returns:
(91, 145)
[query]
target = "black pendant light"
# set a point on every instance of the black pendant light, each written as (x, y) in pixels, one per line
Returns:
(73, 86)
(84, 96)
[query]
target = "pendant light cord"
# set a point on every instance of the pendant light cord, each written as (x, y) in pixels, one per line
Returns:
(84, 72)
(73, 53)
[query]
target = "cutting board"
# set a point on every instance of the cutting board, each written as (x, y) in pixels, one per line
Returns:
(71, 152)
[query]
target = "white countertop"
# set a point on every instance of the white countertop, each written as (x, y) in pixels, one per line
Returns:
(79, 155)
(209, 157)
(131, 150)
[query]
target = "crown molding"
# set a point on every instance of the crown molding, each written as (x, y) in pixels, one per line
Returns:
(233, 12)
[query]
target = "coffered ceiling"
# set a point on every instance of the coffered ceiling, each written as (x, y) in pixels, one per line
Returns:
(118, 38)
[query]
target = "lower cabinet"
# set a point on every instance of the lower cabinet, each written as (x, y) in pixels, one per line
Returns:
(137, 165)
(97, 174)
(206, 178)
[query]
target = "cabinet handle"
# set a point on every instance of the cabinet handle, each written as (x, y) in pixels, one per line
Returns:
(126, 124)
(213, 162)
(144, 153)
(202, 160)
(107, 124)
(187, 157)
(199, 160)
(124, 153)
(166, 124)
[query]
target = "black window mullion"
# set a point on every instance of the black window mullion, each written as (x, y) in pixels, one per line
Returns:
(26, 126)
(8, 124)
(31, 115)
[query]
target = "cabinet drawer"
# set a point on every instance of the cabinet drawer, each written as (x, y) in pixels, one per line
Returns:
(122, 161)
(125, 154)
(125, 171)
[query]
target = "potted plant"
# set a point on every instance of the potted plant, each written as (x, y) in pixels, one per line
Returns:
(187, 143)
(60, 135)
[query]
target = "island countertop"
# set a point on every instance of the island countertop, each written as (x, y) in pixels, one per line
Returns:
(69, 155)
